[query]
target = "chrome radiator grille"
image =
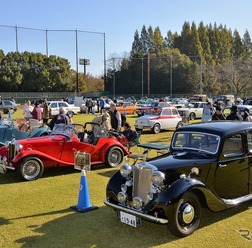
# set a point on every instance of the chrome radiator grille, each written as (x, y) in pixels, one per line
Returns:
(142, 184)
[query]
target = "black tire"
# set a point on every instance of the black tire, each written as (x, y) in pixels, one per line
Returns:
(156, 128)
(114, 156)
(31, 168)
(185, 216)
(139, 130)
(192, 116)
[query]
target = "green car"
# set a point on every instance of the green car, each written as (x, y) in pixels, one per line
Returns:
(8, 131)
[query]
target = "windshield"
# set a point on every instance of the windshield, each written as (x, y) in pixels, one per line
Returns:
(196, 141)
(62, 129)
(153, 111)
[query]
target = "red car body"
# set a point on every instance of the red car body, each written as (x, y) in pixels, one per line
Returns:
(31, 156)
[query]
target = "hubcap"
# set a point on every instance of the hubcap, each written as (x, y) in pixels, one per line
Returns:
(187, 213)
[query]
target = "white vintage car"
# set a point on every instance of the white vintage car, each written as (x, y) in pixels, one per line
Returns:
(193, 110)
(157, 119)
(55, 105)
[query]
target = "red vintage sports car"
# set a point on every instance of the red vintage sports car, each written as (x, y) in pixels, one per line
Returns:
(31, 156)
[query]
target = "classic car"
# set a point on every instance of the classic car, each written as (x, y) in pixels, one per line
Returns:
(31, 156)
(9, 130)
(56, 105)
(208, 165)
(157, 119)
(193, 110)
(8, 105)
(141, 110)
(124, 107)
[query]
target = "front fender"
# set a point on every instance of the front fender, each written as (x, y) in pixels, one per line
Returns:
(35, 153)
(176, 190)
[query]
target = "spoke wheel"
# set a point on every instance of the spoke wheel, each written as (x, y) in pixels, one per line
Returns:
(31, 168)
(114, 157)
(185, 215)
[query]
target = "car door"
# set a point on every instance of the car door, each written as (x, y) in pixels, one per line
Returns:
(166, 119)
(232, 172)
(54, 108)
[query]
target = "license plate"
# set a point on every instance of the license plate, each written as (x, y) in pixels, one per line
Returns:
(128, 219)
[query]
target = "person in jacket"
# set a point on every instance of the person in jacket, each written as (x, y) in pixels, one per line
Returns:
(60, 118)
(218, 115)
(46, 112)
(103, 121)
(115, 118)
(36, 112)
(234, 115)
(130, 134)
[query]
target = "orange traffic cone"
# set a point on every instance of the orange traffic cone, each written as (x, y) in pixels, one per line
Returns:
(84, 204)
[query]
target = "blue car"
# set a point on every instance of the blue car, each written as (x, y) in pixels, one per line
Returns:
(8, 130)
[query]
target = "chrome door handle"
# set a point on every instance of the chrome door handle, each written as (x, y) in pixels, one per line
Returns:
(222, 165)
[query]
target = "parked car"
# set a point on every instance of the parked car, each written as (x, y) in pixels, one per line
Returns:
(9, 130)
(141, 110)
(31, 156)
(157, 119)
(56, 105)
(8, 105)
(227, 109)
(208, 165)
(128, 107)
(193, 110)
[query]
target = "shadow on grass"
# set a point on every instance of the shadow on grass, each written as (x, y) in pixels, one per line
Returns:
(14, 177)
(101, 228)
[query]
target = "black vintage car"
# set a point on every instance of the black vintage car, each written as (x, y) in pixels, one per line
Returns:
(208, 165)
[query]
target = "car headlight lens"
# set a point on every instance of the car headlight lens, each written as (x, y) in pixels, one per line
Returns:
(124, 188)
(137, 203)
(158, 178)
(125, 170)
(122, 197)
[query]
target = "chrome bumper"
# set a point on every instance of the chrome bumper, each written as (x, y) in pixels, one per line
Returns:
(135, 213)
(4, 168)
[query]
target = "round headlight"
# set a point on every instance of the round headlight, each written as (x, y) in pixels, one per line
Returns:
(150, 196)
(157, 178)
(125, 170)
(122, 197)
(137, 203)
(124, 188)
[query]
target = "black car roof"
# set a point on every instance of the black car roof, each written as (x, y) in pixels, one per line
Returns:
(221, 128)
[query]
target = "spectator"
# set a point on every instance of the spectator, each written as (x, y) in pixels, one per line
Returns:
(245, 115)
(36, 112)
(46, 112)
(233, 114)
(60, 118)
(90, 105)
(102, 104)
(130, 134)
(98, 104)
(27, 110)
(115, 118)
(218, 115)
(103, 122)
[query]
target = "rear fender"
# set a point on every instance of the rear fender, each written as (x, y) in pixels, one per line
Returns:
(104, 145)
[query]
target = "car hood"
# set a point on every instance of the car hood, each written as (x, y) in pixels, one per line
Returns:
(42, 140)
(146, 117)
(183, 109)
(181, 162)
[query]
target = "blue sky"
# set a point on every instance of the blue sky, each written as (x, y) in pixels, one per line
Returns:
(117, 19)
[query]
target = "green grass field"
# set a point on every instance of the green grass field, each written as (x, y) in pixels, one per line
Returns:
(38, 213)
